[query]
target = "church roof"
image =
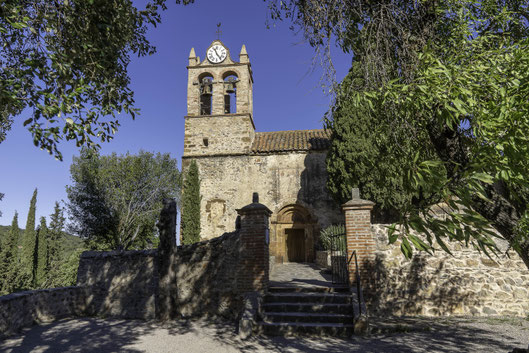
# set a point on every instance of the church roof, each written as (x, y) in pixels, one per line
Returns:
(295, 140)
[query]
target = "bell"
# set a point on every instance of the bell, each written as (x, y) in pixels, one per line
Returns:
(206, 89)
(230, 87)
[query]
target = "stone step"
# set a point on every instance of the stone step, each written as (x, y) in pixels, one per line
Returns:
(308, 290)
(298, 317)
(307, 307)
(296, 328)
(307, 297)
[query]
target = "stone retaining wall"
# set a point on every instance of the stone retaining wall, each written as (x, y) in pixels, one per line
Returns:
(468, 283)
(122, 284)
(207, 274)
(24, 309)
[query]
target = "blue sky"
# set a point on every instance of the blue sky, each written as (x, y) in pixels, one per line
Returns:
(287, 95)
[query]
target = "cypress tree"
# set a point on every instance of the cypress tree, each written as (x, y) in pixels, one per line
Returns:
(42, 264)
(55, 250)
(190, 226)
(28, 255)
(9, 262)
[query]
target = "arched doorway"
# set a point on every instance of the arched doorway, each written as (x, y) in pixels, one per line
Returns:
(294, 230)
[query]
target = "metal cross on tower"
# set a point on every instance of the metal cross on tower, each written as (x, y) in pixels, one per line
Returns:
(219, 32)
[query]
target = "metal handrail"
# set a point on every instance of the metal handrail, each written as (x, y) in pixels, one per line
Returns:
(358, 285)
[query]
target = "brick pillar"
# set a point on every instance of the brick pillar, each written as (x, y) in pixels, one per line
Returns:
(254, 239)
(359, 235)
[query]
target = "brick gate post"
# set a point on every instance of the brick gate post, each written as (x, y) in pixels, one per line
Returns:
(254, 240)
(359, 235)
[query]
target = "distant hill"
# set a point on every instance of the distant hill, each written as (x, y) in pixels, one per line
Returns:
(70, 242)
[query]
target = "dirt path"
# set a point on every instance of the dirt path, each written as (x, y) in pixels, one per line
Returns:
(414, 335)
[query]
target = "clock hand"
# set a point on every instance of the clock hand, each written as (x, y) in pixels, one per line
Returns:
(216, 52)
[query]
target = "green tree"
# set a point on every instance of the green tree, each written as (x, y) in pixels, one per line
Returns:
(190, 219)
(28, 253)
(451, 74)
(55, 250)
(115, 200)
(1, 197)
(365, 153)
(42, 253)
(9, 264)
(67, 61)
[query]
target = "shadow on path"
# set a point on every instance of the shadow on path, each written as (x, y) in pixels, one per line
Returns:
(414, 335)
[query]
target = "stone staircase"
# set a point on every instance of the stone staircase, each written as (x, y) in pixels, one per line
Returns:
(307, 310)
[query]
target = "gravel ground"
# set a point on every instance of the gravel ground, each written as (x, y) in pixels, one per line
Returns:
(396, 335)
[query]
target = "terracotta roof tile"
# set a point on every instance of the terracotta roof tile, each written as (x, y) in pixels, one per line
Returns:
(296, 140)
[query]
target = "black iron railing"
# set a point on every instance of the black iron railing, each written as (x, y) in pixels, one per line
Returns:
(340, 265)
(340, 274)
(358, 282)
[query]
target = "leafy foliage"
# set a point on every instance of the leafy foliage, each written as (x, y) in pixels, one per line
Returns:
(42, 253)
(115, 200)
(477, 95)
(66, 63)
(28, 258)
(326, 234)
(191, 206)
(62, 254)
(366, 152)
(9, 264)
(450, 77)
(56, 249)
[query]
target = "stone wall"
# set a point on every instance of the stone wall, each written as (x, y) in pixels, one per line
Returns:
(24, 309)
(468, 283)
(207, 278)
(122, 284)
(281, 180)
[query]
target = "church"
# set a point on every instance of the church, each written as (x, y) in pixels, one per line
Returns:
(286, 168)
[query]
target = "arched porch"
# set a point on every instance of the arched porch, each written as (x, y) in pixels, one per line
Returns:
(294, 232)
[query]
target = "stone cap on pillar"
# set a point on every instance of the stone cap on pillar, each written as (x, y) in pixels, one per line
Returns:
(356, 202)
(255, 207)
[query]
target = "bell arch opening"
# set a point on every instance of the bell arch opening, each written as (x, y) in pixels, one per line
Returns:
(206, 93)
(230, 92)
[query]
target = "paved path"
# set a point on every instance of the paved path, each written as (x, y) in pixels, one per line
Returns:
(131, 336)
(299, 275)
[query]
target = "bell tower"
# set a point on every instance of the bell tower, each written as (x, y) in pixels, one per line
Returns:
(219, 118)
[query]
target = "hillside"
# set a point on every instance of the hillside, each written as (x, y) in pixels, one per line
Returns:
(70, 242)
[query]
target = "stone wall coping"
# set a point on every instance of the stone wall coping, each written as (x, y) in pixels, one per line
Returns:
(29, 293)
(191, 247)
(116, 253)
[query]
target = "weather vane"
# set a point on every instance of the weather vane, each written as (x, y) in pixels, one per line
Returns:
(219, 32)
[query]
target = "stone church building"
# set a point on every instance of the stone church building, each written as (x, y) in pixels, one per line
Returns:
(286, 168)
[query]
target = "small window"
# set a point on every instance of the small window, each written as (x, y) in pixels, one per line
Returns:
(206, 142)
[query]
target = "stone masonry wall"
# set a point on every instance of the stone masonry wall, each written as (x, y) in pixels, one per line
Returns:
(468, 283)
(227, 184)
(207, 278)
(122, 284)
(207, 135)
(24, 309)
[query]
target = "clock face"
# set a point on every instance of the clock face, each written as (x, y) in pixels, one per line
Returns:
(217, 54)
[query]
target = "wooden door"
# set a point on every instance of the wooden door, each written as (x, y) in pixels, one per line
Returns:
(295, 239)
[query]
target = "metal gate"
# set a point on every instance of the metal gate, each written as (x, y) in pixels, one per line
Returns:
(340, 274)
